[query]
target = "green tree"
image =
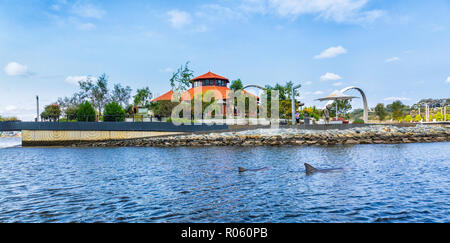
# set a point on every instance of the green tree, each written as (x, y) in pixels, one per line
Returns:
(113, 113)
(236, 85)
(181, 79)
(418, 118)
(86, 112)
(71, 113)
(408, 118)
(164, 108)
(380, 111)
(142, 97)
(397, 110)
(96, 92)
(288, 90)
(439, 117)
(51, 112)
(121, 95)
(343, 107)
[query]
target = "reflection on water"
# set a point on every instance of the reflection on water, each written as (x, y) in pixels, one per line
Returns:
(381, 183)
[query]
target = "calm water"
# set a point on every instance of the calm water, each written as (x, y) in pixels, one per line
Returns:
(381, 183)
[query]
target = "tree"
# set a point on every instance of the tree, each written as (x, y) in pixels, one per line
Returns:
(121, 95)
(142, 97)
(96, 92)
(288, 90)
(397, 110)
(113, 112)
(71, 113)
(51, 112)
(164, 108)
(418, 118)
(343, 107)
(439, 117)
(408, 118)
(181, 79)
(66, 102)
(100, 93)
(236, 85)
(380, 111)
(86, 112)
(284, 90)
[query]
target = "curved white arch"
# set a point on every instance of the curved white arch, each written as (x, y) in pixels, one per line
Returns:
(366, 106)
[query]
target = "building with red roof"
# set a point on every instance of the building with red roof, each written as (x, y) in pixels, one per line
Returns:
(208, 82)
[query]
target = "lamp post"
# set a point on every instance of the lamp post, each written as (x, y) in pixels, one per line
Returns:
(37, 108)
(293, 102)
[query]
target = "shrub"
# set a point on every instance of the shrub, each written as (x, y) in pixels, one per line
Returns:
(71, 113)
(164, 108)
(448, 117)
(408, 118)
(358, 121)
(86, 112)
(13, 118)
(439, 117)
(418, 118)
(180, 120)
(113, 113)
(51, 112)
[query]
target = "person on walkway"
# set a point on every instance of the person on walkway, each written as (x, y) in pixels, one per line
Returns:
(297, 117)
(326, 113)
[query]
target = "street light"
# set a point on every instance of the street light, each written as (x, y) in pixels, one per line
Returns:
(37, 108)
(293, 102)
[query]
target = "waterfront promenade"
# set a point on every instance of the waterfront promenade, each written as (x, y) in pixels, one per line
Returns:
(377, 134)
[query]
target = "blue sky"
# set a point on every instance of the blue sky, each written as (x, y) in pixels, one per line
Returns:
(391, 49)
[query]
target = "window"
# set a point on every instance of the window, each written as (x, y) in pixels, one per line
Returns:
(197, 83)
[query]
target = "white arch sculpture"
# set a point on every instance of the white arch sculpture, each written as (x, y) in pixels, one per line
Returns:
(366, 106)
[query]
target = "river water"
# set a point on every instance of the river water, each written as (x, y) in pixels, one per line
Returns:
(380, 183)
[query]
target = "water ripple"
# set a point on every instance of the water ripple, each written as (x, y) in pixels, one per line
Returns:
(381, 183)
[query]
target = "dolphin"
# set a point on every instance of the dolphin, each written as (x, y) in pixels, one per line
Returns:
(311, 170)
(244, 169)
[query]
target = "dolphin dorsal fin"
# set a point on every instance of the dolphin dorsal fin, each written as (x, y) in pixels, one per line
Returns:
(309, 168)
(242, 169)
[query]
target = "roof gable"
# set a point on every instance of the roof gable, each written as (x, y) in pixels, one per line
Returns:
(209, 75)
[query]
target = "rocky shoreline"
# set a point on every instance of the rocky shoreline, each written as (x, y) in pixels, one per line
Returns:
(377, 134)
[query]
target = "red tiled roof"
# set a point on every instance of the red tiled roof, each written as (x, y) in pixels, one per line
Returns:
(189, 94)
(209, 75)
(166, 96)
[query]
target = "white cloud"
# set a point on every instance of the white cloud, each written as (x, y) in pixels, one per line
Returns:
(437, 28)
(331, 52)
(221, 13)
(397, 98)
(330, 76)
(55, 7)
(88, 11)
(10, 108)
(168, 70)
(86, 26)
(350, 11)
(318, 92)
(448, 80)
(16, 69)
(392, 59)
(179, 18)
(308, 83)
(75, 79)
(337, 84)
(201, 28)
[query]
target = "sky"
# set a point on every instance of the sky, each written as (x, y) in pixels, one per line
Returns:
(393, 50)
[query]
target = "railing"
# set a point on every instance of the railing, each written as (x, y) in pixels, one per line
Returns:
(102, 118)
